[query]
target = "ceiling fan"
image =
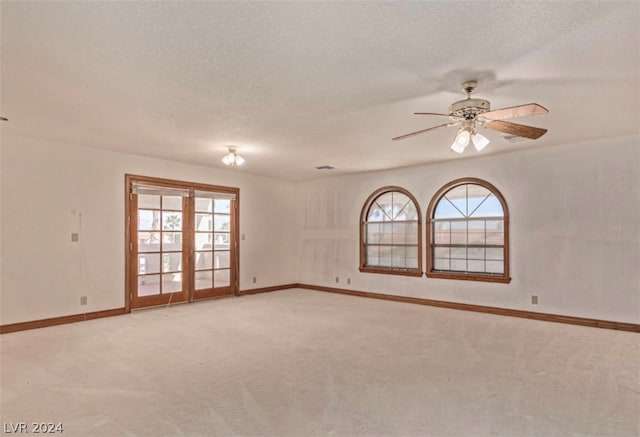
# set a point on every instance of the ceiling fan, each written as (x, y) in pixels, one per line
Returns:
(470, 114)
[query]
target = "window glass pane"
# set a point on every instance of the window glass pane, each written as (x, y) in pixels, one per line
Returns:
(171, 241)
(204, 240)
(495, 232)
(398, 255)
(372, 256)
(409, 212)
(411, 234)
(204, 260)
(457, 193)
(221, 260)
(148, 201)
(494, 253)
(412, 261)
(441, 252)
(400, 203)
(172, 202)
(148, 220)
(475, 265)
(445, 210)
(204, 280)
(475, 191)
(375, 214)
(476, 253)
(459, 265)
(204, 222)
(221, 242)
(457, 197)
(459, 252)
(496, 238)
(222, 205)
(495, 267)
(204, 205)
(442, 232)
(385, 255)
(476, 195)
(149, 263)
(148, 285)
(489, 208)
(171, 282)
(221, 278)
(221, 222)
(148, 241)
(172, 262)
(475, 234)
(373, 233)
(441, 264)
(385, 202)
(171, 221)
(399, 233)
(459, 232)
(386, 233)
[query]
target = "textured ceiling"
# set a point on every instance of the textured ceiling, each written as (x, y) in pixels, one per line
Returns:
(296, 85)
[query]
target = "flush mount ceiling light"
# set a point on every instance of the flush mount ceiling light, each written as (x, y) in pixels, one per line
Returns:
(471, 114)
(232, 159)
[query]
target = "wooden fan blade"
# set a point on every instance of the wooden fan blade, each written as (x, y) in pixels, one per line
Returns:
(402, 137)
(430, 113)
(515, 111)
(518, 130)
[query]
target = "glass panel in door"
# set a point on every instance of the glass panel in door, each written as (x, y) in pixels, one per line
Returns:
(213, 250)
(160, 249)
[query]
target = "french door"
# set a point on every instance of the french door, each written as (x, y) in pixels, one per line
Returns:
(182, 241)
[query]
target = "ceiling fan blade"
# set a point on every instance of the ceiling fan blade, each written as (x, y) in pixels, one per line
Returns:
(402, 137)
(515, 111)
(518, 130)
(430, 113)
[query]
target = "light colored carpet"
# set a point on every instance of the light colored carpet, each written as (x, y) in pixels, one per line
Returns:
(305, 363)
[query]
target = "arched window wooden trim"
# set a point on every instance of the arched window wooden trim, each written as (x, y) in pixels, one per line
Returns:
(487, 277)
(363, 243)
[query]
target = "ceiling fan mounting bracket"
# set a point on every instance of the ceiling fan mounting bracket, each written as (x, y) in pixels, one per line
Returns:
(469, 86)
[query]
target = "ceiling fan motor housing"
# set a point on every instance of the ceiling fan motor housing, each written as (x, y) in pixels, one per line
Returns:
(469, 108)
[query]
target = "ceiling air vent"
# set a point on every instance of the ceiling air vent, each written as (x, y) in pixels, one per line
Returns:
(325, 167)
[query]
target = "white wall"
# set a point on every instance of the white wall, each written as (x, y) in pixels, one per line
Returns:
(44, 273)
(574, 229)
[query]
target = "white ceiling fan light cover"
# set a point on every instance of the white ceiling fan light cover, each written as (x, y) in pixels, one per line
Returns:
(461, 141)
(479, 141)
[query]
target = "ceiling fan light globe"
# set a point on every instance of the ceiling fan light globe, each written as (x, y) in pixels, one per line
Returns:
(462, 138)
(239, 160)
(479, 141)
(461, 141)
(457, 147)
(227, 159)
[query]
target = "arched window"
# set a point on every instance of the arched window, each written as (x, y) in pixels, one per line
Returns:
(390, 234)
(468, 232)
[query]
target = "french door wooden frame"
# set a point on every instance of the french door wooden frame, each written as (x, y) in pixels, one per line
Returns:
(188, 270)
